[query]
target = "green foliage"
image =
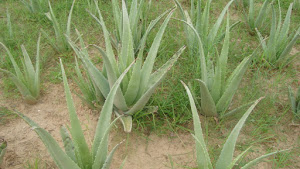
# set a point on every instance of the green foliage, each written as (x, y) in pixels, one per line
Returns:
(297, 4)
(28, 79)
(277, 47)
(90, 95)
(77, 153)
(295, 102)
(225, 159)
(138, 19)
(60, 44)
(210, 34)
(140, 83)
(3, 146)
(216, 91)
(254, 21)
(35, 6)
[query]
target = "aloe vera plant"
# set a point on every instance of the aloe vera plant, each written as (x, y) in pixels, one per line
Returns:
(60, 44)
(209, 34)
(254, 21)
(35, 6)
(140, 83)
(138, 17)
(225, 159)
(295, 102)
(77, 154)
(277, 47)
(216, 89)
(3, 146)
(28, 79)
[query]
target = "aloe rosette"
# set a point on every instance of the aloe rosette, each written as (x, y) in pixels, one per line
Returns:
(225, 159)
(140, 83)
(278, 45)
(77, 154)
(295, 102)
(216, 89)
(27, 79)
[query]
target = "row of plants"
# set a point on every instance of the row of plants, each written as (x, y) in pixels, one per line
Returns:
(127, 80)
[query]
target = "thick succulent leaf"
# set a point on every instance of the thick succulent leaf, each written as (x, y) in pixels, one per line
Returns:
(68, 143)
(262, 14)
(61, 159)
(15, 65)
(201, 52)
(108, 46)
(37, 68)
(288, 48)
(259, 159)
(239, 157)
(68, 32)
(156, 78)
(20, 85)
(203, 158)
(101, 155)
(98, 78)
(226, 155)
(214, 30)
(119, 100)
(105, 115)
(285, 26)
(208, 106)
(117, 16)
(79, 141)
(232, 84)
(149, 62)
(28, 67)
(109, 157)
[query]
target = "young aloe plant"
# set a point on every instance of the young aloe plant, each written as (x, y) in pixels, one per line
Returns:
(295, 102)
(77, 154)
(216, 89)
(60, 44)
(138, 18)
(279, 43)
(35, 6)
(3, 146)
(140, 83)
(28, 79)
(225, 159)
(259, 20)
(209, 34)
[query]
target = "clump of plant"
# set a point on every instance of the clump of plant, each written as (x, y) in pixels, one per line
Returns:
(225, 159)
(216, 90)
(60, 44)
(140, 83)
(138, 18)
(295, 102)
(199, 19)
(27, 78)
(254, 21)
(35, 6)
(77, 154)
(277, 46)
(3, 146)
